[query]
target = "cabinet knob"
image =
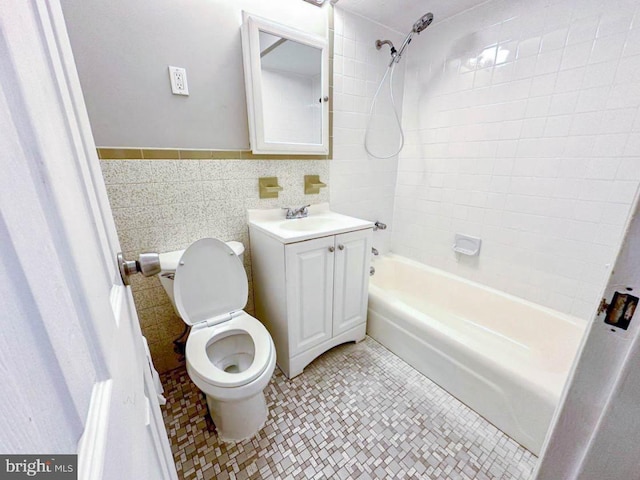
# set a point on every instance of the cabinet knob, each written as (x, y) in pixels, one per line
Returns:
(341, 247)
(331, 249)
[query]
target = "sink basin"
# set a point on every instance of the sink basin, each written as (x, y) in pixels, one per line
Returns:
(307, 224)
(321, 222)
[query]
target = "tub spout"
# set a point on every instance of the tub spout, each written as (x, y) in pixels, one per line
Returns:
(379, 226)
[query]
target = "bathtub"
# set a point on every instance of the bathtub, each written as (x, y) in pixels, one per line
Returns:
(506, 358)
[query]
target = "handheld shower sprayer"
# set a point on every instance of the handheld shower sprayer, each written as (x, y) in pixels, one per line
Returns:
(422, 23)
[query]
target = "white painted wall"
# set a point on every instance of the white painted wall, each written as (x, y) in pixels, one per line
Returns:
(123, 48)
(362, 186)
(524, 129)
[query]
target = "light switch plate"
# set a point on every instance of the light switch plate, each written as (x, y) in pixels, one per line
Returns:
(178, 77)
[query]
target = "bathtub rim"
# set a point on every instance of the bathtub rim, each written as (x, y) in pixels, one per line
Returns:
(383, 302)
(573, 320)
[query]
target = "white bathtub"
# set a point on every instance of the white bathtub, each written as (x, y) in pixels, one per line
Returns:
(504, 357)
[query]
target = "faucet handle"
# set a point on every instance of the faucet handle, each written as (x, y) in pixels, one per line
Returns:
(299, 212)
(289, 213)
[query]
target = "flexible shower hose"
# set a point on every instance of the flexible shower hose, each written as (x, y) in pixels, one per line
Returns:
(391, 68)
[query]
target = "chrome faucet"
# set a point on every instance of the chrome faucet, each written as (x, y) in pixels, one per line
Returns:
(300, 212)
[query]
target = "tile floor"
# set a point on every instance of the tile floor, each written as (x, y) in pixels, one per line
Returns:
(357, 412)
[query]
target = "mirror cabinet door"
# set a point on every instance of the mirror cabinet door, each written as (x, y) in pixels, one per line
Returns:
(287, 84)
(291, 89)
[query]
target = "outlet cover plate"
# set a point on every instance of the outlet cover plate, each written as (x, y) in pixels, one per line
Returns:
(178, 78)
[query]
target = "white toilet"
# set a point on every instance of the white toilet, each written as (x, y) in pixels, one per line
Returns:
(230, 355)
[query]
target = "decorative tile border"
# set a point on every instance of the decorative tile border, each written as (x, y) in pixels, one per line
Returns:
(110, 153)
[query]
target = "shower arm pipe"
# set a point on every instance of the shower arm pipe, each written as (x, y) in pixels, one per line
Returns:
(394, 52)
(379, 44)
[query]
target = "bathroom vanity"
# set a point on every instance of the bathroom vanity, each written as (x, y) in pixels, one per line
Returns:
(310, 280)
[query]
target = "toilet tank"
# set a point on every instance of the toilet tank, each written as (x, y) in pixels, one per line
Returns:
(169, 262)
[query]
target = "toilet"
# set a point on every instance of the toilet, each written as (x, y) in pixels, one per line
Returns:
(230, 355)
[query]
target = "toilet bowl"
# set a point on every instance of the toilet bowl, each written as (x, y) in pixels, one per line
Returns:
(230, 355)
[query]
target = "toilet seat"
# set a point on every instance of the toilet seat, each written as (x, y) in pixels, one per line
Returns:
(210, 291)
(200, 339)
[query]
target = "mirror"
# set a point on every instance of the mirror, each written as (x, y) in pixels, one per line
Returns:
(286, 79)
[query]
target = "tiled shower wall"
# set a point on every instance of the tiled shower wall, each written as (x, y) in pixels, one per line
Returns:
(523, 128)
(164, 205)
(363, 186)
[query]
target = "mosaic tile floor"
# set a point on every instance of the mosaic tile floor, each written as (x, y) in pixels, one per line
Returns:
(357, 412)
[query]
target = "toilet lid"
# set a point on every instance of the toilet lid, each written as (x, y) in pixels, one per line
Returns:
(210, 282)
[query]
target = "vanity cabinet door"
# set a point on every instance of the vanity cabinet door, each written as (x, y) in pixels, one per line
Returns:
(309, 286)
(351, 279)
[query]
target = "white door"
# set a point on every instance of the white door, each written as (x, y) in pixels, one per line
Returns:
(309, 292)
(75, 378)
(351, 280)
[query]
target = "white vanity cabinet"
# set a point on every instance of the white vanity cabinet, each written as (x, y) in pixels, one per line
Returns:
(327, 283)
(311, 294)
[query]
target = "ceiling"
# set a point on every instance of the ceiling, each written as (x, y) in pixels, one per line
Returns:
(400, 15)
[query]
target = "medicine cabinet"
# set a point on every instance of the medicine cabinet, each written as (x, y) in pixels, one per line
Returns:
(286, 79)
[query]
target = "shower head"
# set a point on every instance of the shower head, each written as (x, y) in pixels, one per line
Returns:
(423, 22)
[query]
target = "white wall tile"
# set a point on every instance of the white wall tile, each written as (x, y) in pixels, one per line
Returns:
(534, 145)
(363, 186)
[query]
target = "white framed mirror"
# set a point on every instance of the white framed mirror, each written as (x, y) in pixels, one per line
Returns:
(287, 86)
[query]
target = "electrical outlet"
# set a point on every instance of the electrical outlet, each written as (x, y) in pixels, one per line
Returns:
(178, 77)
